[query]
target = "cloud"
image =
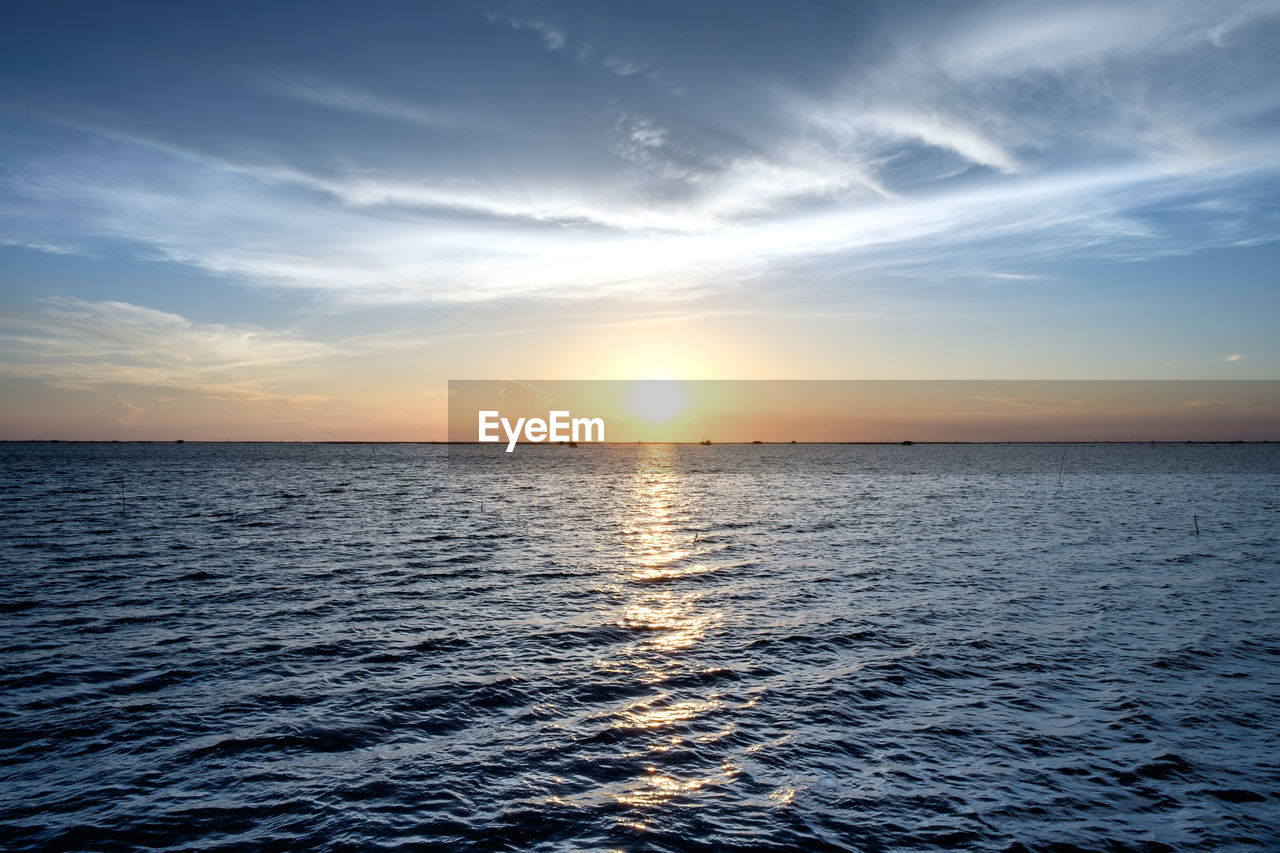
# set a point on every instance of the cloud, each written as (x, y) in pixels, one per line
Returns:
(949, 134)
(1042, 404)
(122, 412)
(713, 188)
(1236, 356)
(50, 248)
(622, 67)
(1018, 87)
(552, 38)
(351, 100)
(1013, 39)
(268, 227)
(117, 347)
(1014, 276)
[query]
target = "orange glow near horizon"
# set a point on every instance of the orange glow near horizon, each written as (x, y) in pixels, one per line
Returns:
(688, 411)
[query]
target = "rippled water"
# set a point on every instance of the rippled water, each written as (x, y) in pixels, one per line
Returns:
(639, 648)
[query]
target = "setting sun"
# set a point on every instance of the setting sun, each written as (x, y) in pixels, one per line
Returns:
(656, 400)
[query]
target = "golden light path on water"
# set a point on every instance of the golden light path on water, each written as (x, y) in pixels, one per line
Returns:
(661, 551)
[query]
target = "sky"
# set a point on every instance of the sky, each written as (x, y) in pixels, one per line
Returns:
(298, 221)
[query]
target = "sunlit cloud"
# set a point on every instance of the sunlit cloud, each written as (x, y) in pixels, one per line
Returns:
(258, 227)
(116, 348)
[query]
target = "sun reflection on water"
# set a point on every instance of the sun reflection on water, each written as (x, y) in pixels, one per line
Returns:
(661, 545)
(655, 788)
(660, 541)
(650, 714)
(677, 623)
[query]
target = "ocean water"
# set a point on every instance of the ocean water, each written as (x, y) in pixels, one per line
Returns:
(364, 647)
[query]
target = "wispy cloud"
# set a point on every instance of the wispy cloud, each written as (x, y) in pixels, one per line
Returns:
(1014, 276)
(249, 226)
(1020, 87)
(622, 67)
(122, 412)
(1041, 404)
(552, 38)
(1012, 39)
(352, 100)
(51, 248)
(555, 39)
(945, 133)
(119, 348)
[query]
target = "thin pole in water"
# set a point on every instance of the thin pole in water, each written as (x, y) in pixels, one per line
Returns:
(1195, 519)
(1060, 461)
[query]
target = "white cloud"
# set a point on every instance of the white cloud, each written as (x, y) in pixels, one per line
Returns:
(556, 40)
(1012, 39)
(352, 100)
(1014, 86)
(117, 347)
(722, 189)
(622, 67)
(1013, 276)
(935, 130)
(552, 38)
(876, 129)
(565, 242)
(50, 248)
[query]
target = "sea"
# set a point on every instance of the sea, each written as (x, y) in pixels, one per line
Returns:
(351, 647)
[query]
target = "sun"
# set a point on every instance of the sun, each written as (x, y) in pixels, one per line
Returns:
(656, 400)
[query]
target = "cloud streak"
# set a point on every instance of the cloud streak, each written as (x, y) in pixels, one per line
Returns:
(118, 348)
(347, 99)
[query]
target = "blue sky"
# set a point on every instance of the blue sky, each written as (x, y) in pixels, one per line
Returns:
(298, 220)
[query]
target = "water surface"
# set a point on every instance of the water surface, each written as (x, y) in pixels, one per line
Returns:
(353, 647)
